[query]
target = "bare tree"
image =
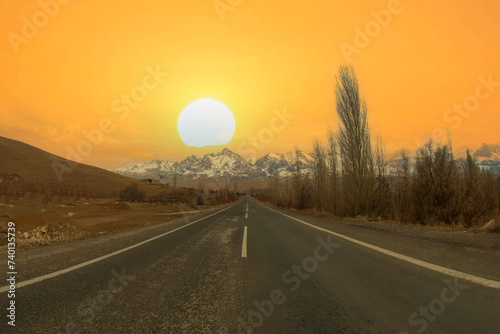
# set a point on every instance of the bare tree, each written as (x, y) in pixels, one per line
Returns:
(401, 190)
(479, 198)
(498, 193)
(437, 184)
(300, 182)
(288, 194)
(381, 192)
(274, 188)
(334, 170)
(354, 140)
(319, 174)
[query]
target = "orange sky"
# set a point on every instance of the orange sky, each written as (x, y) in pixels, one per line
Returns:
(64, 77)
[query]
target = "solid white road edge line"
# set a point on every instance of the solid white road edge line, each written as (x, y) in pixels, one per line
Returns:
(87, 263)
(468, 277)
(244, 245)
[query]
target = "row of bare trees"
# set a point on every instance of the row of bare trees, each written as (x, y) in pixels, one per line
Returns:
(351, 177)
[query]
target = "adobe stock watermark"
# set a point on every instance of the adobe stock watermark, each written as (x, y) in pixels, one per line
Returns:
(121, 107)
(32, 25)
(293, 278)
(436, 307)
(463, 110)
(372, 29)
(249, 148)
(93, 305)
(225, 6)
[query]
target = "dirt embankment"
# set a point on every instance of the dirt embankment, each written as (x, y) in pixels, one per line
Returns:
(64, 223)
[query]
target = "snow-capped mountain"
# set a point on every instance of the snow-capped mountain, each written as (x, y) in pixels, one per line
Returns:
(487, 157)
(224, 163)
(283, 164)
(156, 169)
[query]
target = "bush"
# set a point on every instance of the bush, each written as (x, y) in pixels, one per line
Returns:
(132, 194)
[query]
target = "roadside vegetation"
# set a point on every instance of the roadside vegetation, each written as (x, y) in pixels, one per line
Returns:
(351, 176)
(167, 194)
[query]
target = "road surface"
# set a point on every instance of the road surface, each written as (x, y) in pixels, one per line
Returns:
(247, 268)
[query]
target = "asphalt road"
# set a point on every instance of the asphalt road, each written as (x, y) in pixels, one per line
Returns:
(242, 270)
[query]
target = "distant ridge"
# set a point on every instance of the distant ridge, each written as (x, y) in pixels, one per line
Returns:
(223, 163)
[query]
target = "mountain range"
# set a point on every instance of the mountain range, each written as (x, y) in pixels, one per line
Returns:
(227, 163)
(487, 157)
(224, 163)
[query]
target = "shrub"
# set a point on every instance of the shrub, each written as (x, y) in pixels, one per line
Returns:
(132, 194)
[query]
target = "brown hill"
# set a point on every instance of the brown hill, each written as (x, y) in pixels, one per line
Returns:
(28, 169)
